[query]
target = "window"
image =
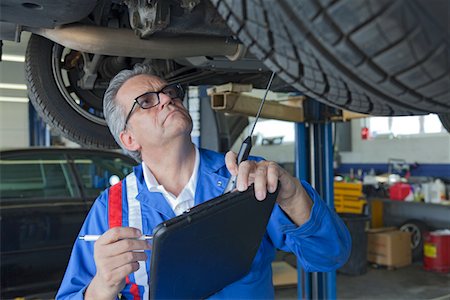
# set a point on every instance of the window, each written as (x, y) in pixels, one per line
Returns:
(274, 132)
(432, 124)
(405, 125)
(379, 125)
(30, 176)
(99, 172)
(408, 125)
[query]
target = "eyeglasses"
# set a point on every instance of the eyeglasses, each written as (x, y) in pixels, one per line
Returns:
(151, 99)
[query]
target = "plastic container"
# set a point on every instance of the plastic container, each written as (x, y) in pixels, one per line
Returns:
(437, 191)
(357, 263)
(399, 191)
(437, 251)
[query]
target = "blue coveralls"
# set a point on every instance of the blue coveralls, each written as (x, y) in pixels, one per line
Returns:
(321, 244)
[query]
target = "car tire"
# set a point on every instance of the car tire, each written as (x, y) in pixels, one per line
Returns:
(375, 57)
(445, 120)
(417, 229)
(62, 105)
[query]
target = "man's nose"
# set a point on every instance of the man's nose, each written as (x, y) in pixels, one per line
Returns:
(164, 100)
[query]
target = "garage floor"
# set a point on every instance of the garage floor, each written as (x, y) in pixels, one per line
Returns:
(407, 283)
(411, 282)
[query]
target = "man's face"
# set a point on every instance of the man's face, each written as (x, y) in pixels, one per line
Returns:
(157, 125)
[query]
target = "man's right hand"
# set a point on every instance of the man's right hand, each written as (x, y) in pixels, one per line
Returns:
(116, 254)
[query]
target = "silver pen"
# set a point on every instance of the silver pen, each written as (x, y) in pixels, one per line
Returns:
(93, 238)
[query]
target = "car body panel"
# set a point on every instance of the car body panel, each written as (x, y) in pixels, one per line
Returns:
(45, 196)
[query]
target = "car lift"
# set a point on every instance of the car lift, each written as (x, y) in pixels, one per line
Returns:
(313, 149)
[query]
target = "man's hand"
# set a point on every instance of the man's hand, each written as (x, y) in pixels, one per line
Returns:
(292, 197)
(116, 254)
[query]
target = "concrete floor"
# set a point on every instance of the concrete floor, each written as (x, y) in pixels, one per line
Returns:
(409, 283)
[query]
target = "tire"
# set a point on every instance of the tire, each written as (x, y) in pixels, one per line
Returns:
(55, 99)
(375, 57)
(445, 120)
(417, 229)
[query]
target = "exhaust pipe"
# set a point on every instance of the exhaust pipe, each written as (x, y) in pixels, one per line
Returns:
(123, 42)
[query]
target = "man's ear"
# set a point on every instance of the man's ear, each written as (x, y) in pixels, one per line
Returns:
(128, 140)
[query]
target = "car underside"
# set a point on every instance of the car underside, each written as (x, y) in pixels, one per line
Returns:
(375, 57)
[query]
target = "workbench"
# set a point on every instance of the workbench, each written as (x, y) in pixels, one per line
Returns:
(395, 213)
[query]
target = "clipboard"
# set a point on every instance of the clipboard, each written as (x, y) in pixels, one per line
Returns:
(212, 245)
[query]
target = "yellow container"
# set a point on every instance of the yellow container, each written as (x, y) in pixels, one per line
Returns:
(348, 197)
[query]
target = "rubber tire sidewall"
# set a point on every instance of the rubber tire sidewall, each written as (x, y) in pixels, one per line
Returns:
(50, 103)
(445, 120)
(417, 253)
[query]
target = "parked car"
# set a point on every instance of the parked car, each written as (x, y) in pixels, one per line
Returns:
(45, 194)
(379, 57)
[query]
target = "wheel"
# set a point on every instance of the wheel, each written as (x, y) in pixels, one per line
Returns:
(445, 120)
(417, 229)
(52, 73)
(378, 57)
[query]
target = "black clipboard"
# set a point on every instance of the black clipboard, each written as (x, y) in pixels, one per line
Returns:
(200, 252)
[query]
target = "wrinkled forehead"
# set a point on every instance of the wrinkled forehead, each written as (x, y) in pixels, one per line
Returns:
(138, 85)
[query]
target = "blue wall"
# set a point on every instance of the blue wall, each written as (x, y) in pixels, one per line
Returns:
(432, 170)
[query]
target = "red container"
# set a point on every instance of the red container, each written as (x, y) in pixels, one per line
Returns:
(437, 251)
(399, 191)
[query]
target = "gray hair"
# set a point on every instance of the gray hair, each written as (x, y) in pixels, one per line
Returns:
(114, 113)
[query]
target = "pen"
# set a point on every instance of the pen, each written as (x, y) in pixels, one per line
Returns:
(93, 238)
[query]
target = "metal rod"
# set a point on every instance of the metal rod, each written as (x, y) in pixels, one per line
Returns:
(246, 146)
(262, 103)
(123, 42)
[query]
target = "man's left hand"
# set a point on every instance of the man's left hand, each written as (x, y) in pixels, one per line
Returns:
(265, 175)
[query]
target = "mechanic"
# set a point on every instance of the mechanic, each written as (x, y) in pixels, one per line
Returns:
(147, 118)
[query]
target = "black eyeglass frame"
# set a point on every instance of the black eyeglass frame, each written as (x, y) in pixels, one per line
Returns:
(180, 96)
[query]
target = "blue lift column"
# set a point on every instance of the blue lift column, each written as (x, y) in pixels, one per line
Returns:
(314, 163)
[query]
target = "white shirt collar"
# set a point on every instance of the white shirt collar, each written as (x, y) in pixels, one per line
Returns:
(185, 199)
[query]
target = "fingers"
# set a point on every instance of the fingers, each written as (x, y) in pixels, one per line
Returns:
(246, 175)
(117, 253)
(122, 272)
(119, 233)
(261, 182)
(121, 260)
(119, 240)
(264, 175)
(230, 162)
(125, 245)
(273, 174)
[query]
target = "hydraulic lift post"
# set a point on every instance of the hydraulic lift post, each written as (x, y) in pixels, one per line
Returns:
(314, 163)
(313, 155)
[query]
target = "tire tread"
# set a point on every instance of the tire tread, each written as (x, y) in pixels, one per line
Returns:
(365, 56)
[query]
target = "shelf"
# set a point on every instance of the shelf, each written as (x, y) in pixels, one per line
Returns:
(387, 200)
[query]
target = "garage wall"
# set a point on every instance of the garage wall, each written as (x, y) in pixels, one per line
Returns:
(14, 121)
(429, 148)
(425, 149)
(13, 125)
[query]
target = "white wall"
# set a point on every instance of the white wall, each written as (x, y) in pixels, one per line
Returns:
(427, 148)
(279, 153)
(14, 121)
(13, 125)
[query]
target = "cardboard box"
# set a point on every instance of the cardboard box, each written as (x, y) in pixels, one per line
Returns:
(284, 275)
(389, 247)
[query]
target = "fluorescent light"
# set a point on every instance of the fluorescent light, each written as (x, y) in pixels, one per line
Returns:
(12, 57)
(13, 86)
(14, 99)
